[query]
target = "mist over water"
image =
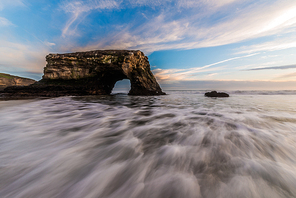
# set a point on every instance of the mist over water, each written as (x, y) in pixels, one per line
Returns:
(179, 145)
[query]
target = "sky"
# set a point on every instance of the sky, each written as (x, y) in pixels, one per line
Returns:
(191, 44)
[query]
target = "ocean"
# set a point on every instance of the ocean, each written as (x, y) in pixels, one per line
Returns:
(180, 145)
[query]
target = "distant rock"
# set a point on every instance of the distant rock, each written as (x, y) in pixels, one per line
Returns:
(216, 94)
(91, 73)
(7, 80)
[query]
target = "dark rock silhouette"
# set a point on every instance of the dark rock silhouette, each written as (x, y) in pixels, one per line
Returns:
(216, 94)
(92, 73)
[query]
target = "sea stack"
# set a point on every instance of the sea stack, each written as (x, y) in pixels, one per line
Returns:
(92, 73)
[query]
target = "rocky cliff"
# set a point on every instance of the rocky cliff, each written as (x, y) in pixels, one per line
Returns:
(93, 73)
(7, 80)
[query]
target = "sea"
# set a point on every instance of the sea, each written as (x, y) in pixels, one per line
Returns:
(180, 145)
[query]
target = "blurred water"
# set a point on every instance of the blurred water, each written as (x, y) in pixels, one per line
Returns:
(179, 145)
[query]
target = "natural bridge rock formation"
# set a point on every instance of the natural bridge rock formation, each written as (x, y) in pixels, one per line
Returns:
(92, 73)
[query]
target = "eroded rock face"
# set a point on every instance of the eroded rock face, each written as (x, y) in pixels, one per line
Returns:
(93, 73)
(7, 80)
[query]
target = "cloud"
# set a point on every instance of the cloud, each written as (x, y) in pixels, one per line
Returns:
(191, 73)
(78, 8)
(221, 85)
(4, 22)
(277, 44)
(201, 3)
(17, 57)
(291, 75)
(9, 3)
(150, 3)
(46, 43)
(49, 44)
(274, 67)
(191, 29)
(181, 3)
(169, 24)
(212, 74)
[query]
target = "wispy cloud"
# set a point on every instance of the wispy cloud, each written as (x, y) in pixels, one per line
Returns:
(181, 3)
(291, 75)
(5, 22)
(200, 3)
(194, 30)
(49, 44)
(191, 73)
(22, 57)
(46, 43)
(163, 25)
(230, 85)
(8, 3)
(277, 44)
(274, 67)
(150, 3)
(78, 8)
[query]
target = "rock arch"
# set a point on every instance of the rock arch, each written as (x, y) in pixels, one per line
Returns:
(100, 70)
(94, 73)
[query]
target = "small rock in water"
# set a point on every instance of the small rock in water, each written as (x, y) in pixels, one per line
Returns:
(216, 94)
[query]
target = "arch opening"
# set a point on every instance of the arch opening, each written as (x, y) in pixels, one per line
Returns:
(121, 87)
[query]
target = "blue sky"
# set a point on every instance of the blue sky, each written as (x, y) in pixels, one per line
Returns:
(247, 44)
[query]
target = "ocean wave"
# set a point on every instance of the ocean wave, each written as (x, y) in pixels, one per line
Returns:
(162, 146)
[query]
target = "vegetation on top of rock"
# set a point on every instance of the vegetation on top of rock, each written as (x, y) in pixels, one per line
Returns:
(8, 76)
(2, 75)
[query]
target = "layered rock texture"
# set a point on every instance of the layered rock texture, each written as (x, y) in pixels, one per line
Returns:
(93, 73)
(7, 80)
